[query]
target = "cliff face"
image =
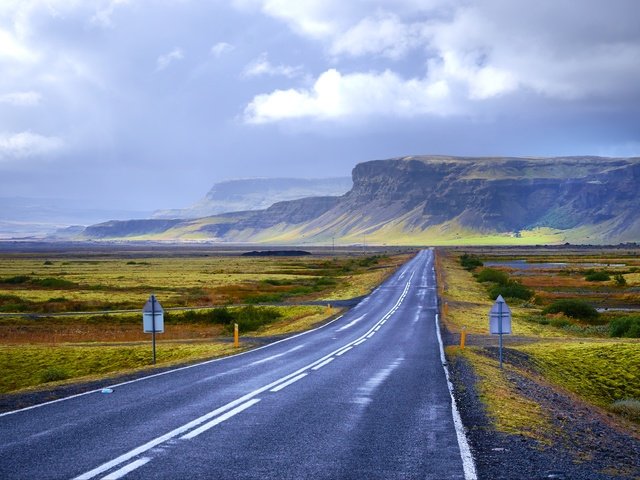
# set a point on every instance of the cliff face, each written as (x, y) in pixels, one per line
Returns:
(433, 199)
(498, 194)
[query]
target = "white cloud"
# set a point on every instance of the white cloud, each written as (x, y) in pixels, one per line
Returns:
(261, 66)
(12, 48)
(21, 99)
(27, 144)
(314, 18)
(480, 82)
(478, 50)
(103, 14)
(335, 96)
(221, 48)
(168, 58)
(382, 34)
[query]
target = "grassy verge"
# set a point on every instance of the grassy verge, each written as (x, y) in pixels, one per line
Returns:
(30, 366)
(603, 373)
(509, 411)
(298, 319)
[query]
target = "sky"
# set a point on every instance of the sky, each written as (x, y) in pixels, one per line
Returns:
(142, 105)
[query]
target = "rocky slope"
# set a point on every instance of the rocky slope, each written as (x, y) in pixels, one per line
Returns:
(439, 200)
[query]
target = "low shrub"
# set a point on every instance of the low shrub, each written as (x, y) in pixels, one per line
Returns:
(620, 280)
(597, 277)
(54, 374)
(222, 316)
(53, 282)
(628, 327)
(627, 408)
(470, 262)
(511, 289)
(15, 280)
(560, 322)
(57, 300)
(574, 309)
(251, 318)
(275, 282)
(265, 298)
(493, 275)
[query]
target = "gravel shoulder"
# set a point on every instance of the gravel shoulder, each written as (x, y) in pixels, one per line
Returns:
(589, 443)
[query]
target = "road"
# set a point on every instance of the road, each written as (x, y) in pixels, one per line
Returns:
(365, 396)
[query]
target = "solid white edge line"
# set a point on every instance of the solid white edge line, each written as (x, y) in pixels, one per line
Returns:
(326, 362)
(169, 371)
(288, 382)
(126, 469)
(220, 419)
(468, 463)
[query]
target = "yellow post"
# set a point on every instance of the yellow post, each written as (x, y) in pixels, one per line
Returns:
(446, 309)
(328, 308)
(236, 339)
(463, 337)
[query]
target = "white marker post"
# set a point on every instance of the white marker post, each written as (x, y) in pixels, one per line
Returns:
(153, 320)
(500, 320)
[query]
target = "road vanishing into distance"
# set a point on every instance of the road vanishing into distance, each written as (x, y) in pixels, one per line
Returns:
(364, 396)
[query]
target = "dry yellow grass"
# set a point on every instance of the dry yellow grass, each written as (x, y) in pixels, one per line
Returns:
(508, 409)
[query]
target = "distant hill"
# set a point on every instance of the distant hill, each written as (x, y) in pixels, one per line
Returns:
(258, 194)
(38, 217)
(437, 200)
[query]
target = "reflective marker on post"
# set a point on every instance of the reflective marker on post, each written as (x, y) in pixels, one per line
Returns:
(236, 336)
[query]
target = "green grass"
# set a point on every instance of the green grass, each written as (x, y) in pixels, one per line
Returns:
(29, 366)
(601, 373)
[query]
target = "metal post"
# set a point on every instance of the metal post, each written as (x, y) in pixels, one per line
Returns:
(153, 326)
(500, 331)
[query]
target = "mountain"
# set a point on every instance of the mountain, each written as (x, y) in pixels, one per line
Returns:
(257, 194)
(437, 200)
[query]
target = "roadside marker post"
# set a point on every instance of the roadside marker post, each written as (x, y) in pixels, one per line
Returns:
(153, 321)
(236, 336)
(463, 336)
(500, 321)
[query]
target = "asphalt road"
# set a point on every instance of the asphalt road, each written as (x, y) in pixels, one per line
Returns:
(365, 396)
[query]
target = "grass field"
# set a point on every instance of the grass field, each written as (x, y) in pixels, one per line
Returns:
(45, 349)
(33, 365)
(41, 284)
(602, 372)
(573, 354)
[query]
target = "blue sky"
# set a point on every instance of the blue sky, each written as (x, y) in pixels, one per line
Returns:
(145, 104)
